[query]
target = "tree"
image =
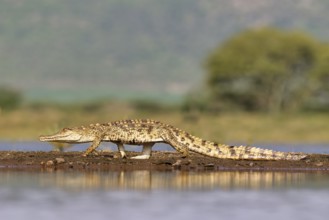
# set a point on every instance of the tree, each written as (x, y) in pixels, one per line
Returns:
(265, 70)
(320, 82)
(9, 98)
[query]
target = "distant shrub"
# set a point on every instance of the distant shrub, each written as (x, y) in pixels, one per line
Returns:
(9, 98)
(269, 70)
(197, 100)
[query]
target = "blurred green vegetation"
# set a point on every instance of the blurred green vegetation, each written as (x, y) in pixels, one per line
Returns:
(269, 70)
(258, 70)
(9, 98)
(81, 49)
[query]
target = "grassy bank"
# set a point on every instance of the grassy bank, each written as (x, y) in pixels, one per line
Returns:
(29, 122)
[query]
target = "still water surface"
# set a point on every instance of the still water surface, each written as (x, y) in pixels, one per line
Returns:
(163, 195)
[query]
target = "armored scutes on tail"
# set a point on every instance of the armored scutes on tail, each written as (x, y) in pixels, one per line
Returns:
(254, 153)
(147, 132)
(183, 141)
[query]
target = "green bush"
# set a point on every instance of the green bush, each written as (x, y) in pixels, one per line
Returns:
(9, 98)
(267, 70)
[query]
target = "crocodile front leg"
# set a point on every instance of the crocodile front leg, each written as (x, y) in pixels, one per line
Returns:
(94, 145)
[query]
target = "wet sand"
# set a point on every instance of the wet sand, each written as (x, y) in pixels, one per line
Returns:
(162, 161)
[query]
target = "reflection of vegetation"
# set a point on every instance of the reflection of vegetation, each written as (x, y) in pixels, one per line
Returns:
(268, 70)
(9, 98)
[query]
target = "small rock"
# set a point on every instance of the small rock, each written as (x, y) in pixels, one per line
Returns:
(209, 165)
(163, 162)
(42, 163)
(60, 160)
(251, 164)
(178, 163)
(50, 163)
(319, 164)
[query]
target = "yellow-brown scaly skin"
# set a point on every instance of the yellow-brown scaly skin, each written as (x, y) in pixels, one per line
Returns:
(147, 132)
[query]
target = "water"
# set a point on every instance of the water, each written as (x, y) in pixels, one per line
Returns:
(321, 148)
(163, 195)
(156, 195)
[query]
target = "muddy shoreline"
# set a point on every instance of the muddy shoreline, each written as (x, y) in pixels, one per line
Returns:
(160, 161)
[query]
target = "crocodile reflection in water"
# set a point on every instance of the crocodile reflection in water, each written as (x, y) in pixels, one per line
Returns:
(149, 180)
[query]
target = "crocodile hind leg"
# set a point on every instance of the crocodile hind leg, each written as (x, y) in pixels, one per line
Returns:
(171, 139)
(146, 153)
(122, 151)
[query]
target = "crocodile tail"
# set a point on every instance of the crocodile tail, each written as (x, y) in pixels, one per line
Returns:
(275, 155)
(184, 142)
(251, 153)
(223, 151)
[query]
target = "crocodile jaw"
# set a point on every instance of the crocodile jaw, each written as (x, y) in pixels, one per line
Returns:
(61, 137)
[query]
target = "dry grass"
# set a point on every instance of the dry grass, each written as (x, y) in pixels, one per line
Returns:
(29, 123)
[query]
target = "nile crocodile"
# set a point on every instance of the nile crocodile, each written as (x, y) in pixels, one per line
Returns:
(148, 132)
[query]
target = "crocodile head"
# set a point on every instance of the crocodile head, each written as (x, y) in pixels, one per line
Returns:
(70, 135)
